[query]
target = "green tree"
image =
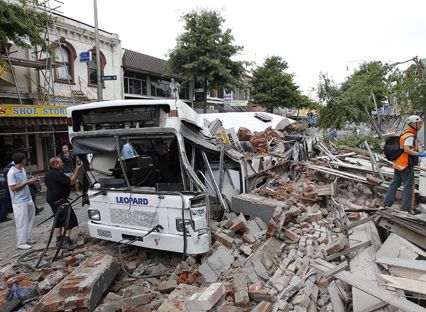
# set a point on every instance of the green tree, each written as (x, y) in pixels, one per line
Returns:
(22, 24)
(273, 87)
(354, 100)
(203, 53)
(408, 89)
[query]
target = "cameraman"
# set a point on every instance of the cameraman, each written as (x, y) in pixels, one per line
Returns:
(58, 186)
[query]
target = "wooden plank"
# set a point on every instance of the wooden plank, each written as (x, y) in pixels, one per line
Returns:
(403, 263)
(342, 266)
(408, 273)
(336, 301)
(379, 293)
(346, 251)
(360, 222)
(412, 236)
(406, 284)
(363, 265)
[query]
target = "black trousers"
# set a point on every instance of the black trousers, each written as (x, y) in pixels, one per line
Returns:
(60, 222)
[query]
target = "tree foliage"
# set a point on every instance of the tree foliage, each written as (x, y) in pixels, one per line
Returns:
(354, 100)
(204, 51)
(273, 87)
(409, 89)
(22, 24)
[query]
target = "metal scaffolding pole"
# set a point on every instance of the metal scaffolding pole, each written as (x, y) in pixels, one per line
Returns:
(98, 61)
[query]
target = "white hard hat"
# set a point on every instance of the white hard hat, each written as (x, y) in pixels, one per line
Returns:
(414, 118)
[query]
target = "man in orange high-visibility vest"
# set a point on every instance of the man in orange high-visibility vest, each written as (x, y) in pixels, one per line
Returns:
(403, 165)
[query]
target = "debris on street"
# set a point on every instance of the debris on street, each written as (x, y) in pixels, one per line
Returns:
(310, 234)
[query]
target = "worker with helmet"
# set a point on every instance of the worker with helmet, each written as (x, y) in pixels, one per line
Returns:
(403, 165)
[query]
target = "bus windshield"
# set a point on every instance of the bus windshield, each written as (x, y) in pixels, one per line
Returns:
(149, 162)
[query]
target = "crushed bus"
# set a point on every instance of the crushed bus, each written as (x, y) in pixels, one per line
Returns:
(160, 169)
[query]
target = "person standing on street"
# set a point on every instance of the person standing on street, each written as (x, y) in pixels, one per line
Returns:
(58, 186)
(22, 203)
(403, 165)
(6, 204)
(69, 162)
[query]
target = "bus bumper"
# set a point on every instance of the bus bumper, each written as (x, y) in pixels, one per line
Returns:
(162, 241)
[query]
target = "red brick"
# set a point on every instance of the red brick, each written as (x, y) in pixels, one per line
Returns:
(337, 245)
(322, 240)
(354, 216)
(82, 289)
(373, 180)
(224, 239)
(258, 293)
(263, 307)
(239, 224)
(314, 217)
(291, 235)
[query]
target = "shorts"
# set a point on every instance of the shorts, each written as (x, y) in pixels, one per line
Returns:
(60, 222)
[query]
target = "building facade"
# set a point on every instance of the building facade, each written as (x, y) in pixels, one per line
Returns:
(145, 77)
(36, 88)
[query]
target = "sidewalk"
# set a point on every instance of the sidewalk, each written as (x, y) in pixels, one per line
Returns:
(8, 249)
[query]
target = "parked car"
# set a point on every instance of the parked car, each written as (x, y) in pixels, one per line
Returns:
(34, 188)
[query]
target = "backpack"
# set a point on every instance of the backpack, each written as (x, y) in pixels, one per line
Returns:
(392, 149)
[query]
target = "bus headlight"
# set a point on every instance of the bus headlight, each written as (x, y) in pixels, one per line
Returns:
(94, 214)
(179, 224)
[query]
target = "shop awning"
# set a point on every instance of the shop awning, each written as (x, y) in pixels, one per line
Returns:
(22, 121)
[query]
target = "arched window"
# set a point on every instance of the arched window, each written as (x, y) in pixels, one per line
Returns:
(92, 70)
(65, 56)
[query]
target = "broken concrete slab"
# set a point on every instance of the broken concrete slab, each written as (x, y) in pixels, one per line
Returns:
(84, 287)
(253, 233)
(256, 206)
(176, 299)
(217, 263)
(395, 247)
(241, 296)
(204, 301)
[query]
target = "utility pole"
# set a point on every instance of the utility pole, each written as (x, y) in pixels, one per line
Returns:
(98, 63)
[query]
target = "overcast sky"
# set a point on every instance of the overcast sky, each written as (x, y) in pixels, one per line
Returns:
(313, 36)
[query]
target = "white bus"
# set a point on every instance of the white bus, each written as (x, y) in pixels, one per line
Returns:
(159, 166)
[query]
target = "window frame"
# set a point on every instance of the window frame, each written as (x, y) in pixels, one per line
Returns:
(72, 55)
(103, 63)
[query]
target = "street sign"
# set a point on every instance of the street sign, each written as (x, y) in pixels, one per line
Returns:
(227, 97)
(112, 77)
(85, 56)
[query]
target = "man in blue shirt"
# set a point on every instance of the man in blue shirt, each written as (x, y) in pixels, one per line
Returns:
(22, 203)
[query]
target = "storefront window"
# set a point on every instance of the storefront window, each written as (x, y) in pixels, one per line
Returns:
(160, 88)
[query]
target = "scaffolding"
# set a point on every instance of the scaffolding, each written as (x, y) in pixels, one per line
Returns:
(44, 63)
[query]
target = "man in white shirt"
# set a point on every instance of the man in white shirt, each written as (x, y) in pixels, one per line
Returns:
(22, 203)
